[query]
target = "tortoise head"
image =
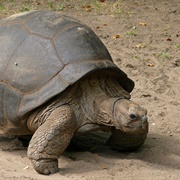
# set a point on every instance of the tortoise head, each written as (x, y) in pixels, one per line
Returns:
(129, 116)
(125, 115)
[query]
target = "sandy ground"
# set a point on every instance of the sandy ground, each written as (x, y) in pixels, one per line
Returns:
(144, 41)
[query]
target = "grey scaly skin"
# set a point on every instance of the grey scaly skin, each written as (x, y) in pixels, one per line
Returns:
(51, 139)
(85, 107)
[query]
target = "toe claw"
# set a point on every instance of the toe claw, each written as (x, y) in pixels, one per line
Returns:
(46, 167)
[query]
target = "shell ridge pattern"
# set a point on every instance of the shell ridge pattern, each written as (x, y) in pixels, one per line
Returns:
(40, 58)
(37, 34)
(53, 38)
(57, 54)
(66, 27)
(29, 15)
(78, 62)
(35, 100)
(33, 33)
(10, 112)
(12, 56)
(59, 75)
(15, 89)
(47, 24)
(103, 61)
(2, 110)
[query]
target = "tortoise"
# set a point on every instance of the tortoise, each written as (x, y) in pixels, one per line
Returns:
(57, 79)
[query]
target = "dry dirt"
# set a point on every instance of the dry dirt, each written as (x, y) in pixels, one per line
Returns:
(143, 38)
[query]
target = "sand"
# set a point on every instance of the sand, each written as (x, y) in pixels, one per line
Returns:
(144, 41)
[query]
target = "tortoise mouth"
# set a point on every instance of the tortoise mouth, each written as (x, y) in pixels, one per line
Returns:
(135, 127)
(123, 141)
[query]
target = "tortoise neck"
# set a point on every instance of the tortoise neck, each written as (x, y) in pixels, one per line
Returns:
(93, 95)
(105, 110)
(98, 89)
(90, 99)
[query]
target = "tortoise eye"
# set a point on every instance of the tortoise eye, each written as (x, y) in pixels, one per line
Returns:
(133, 116)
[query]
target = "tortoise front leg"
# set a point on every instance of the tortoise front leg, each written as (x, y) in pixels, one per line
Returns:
(51, 139)
(124, 141)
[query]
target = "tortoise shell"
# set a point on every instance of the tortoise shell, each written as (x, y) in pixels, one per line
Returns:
(41, 54)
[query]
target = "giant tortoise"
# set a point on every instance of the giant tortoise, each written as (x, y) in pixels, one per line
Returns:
(58, 79)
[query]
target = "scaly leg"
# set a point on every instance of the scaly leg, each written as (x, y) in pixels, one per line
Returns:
(51, 139)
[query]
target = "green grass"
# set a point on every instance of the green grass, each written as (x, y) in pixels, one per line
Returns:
(26, 8)
(60, 7)
(106, 7)
(163, 55)
(11, 1)
(2, 7)
(113, 8)
(177, 46)
(131, 33)
(51, 5)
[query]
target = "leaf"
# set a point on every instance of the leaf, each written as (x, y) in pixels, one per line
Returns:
(116, 36)
(169, 39)
(151, 65)
(104, 166)
(138, 46)
(87, 8)
(142, 24)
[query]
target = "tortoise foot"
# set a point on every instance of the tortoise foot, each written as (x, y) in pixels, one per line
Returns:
(46, 166)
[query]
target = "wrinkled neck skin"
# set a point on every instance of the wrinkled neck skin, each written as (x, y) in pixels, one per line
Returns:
(98, 96)
(126, 115)
(106, 104)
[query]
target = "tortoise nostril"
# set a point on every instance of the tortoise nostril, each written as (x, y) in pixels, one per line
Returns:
(133, 116)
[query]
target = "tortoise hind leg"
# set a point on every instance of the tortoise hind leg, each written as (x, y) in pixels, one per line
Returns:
(51, 139)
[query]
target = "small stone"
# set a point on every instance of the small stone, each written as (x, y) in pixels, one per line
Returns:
(27, 167)
(129, 66)
(104, 166)
(177, 63)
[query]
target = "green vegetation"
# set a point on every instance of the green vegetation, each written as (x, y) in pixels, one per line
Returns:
(177, 46)
(26, 8)
(106, 7)
(8, 7)
(2, 7)
(131, 33)
(163, 55)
